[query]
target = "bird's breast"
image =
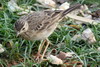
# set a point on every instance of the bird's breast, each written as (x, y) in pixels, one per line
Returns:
(39, 35)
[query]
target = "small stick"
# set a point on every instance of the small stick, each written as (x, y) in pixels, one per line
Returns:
(81, 19)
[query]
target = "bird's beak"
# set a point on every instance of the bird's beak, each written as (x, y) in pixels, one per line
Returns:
(18, 34)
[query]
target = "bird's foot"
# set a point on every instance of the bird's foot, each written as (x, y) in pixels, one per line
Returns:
(38, 57)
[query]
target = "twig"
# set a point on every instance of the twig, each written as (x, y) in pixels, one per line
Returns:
(85, 20)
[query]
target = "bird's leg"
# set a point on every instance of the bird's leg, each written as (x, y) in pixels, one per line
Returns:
(38, 55)
(41, 45)
(48, 42)
(40, 49)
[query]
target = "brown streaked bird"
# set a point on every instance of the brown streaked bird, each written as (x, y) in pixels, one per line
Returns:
(40, 25)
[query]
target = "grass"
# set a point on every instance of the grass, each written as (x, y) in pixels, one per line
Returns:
(17, 49)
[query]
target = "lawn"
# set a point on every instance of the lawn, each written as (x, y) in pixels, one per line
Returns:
(19, 52)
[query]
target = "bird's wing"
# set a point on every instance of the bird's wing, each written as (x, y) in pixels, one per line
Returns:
(45, 19)
(41, 20)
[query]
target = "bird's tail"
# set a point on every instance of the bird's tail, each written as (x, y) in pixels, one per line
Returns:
(58, 15)
(65, 12)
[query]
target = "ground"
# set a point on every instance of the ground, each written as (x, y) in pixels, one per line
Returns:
(19, 52)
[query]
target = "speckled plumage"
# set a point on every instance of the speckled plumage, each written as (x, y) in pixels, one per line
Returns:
(39, 25)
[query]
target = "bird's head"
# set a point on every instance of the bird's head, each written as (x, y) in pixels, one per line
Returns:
(21, 26)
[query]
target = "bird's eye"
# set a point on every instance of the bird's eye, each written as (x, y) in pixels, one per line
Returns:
(23, 29)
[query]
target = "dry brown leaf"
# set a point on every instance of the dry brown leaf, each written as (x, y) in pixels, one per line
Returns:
(75, 26)
(63, 55)
(14, 62)
(9, 65)
(61, 58)
(70, 64)
(96, 13)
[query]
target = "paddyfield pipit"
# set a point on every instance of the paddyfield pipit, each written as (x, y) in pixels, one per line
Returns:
(39, 25)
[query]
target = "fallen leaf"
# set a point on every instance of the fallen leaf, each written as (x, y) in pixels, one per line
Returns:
(1, 48)
(88, 35)
(64, 6)
(14, 62)
(69, 54)
(72, 63)
(96, 14)
(50, 3)
(98, 48)
(75, 26)
(12, 5)
(54, 60)
(63, 55)
(9, 65)
(76, 37)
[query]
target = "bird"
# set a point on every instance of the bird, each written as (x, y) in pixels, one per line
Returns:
(39, 25)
